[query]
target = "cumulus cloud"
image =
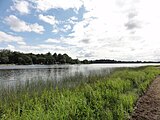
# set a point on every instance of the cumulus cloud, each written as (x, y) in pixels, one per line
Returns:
(113, 29)
(132, 24)
(50, 40)
(10, 47)
(44, 48)
(52, 21)
(21, 6)
(4, 37)
(66, 28)
(110, 35)
(48, 19)
(18, 25)
(45, 5)
(55, 30)
(74, 18)
(85, 41)
(132, 14)
(89, 55)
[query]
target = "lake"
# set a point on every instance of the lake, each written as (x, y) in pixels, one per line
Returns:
(10, 74)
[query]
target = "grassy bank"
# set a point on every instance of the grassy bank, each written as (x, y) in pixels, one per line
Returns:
(97, 97)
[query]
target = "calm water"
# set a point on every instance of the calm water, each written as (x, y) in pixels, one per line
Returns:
(15, 73)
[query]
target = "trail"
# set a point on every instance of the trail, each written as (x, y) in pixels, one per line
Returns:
(148, 106)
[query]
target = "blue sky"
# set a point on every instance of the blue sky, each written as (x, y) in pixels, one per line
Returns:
(84, 29)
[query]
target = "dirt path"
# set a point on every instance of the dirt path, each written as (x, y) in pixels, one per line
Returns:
(148, 106)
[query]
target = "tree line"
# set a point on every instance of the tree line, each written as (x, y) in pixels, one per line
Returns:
(18, 58)
(14, 57)
(105, 61)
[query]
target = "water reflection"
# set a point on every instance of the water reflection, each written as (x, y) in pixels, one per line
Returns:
(11, 74)
(15, 75)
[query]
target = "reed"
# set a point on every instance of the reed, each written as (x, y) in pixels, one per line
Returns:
(96, 96)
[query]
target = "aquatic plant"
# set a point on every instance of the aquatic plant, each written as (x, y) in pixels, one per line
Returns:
(110, 97)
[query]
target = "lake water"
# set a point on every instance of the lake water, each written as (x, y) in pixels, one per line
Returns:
(10, 74)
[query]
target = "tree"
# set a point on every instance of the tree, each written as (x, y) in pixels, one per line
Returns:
(4, 60)
(41, 60)
(60, 59)
(85, 61)
(10, 57)
(75, 61)
(34, 59)
(27, 59)
(67, 59)
(21, 61)
(13, 58)
(55, 57)
(49, 58)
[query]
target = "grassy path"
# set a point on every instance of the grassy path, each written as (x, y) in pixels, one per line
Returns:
(148, 106)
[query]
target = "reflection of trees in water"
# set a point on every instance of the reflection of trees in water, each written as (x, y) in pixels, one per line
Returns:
(42, 72)
(9, 75)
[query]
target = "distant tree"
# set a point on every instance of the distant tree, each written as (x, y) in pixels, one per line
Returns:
(27, 59)
(5, 52)
(41, 60)
(67, 59)
(75, 61)
(60, 59)
(55, 57)
(21, 61)
(10, 57)
(4, 60)
(48, 54)
(13, 58)
(34, 59)
(49, 58)
(85, 61)
(4, 56)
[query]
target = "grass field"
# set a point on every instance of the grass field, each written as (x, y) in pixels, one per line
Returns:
(96, 97)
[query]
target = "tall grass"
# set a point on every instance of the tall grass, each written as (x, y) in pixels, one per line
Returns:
(99, 97)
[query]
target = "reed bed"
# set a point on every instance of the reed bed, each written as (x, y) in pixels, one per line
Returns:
(91, 97)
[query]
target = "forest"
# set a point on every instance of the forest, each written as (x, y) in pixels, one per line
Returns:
(18, 58)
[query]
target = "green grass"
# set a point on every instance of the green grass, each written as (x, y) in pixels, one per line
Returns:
(96, 97)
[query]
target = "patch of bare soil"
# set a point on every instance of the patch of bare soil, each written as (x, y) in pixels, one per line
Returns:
(148, 106)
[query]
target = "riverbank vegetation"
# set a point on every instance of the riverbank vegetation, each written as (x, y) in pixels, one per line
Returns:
(10, 57)
(95, 97)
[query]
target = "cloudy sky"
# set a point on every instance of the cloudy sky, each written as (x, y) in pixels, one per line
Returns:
(84, 29)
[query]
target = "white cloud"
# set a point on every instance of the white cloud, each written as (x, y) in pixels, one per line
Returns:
(50, 40)
(123, 30)
(48, 19)
(18, 25)
(66, 28)
(4, 37)
(113, 29)
(44, 5)
(44, 48)
(74, 18)
(21, 6)
(11, 47)
(55, 30)
(52, 21)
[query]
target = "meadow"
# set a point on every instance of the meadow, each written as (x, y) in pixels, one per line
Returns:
(92, 97)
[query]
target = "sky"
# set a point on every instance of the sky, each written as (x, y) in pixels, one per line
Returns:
(84, 29)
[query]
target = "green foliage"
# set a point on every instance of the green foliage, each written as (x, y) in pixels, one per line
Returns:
(4, 60)
(96, 97)
(9, 57)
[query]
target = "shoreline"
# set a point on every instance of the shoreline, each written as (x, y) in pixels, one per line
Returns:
(111, 97)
